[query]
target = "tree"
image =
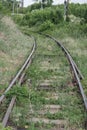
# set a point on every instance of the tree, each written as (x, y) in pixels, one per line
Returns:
(9, 6)
(44, 2)
(85, 16)
(66, 9)
(49, 2)
(22, 3)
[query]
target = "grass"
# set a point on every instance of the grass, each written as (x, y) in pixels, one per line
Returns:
(7, 128)
(14, 47)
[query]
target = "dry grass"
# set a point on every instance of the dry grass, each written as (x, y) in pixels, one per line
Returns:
(75, 46)
(14, 47)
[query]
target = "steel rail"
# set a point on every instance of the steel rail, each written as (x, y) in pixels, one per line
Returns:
(11, 104)
(19, 72)
(6, 117)
(67, 52)
(74, 70)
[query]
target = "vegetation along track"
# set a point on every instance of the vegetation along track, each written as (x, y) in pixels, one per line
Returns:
(17, 79)
(53, 101)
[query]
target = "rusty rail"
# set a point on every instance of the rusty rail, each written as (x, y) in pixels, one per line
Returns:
(19, 75)
(6, 117)
(19, 72)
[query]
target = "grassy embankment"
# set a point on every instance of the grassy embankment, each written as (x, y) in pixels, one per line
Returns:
(14, 47)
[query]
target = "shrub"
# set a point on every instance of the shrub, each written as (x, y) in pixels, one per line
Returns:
(1, 7)
(85, 15)
(34, 7)
(38, 17)
(79, 10)
(83, 28)
(17, 18)
(46, 26)
(21, 94)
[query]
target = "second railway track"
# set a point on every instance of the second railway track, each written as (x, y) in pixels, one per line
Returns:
(54, 102)
(18, 79)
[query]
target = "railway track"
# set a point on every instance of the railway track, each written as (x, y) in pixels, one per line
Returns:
(51, 95)
(75, 69)
(17, 79)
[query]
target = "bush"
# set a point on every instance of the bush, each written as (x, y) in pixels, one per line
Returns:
(5, 7)
(83, 28)
(38, 17)
(46, 26)
(79, 10)
(17, 18)
(21, 94)
(85, 16)
(1, 7)
(34, 7)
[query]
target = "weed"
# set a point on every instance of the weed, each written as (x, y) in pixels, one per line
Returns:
(21, 94)
(7, 128)
(55, 116)
(47, 25)
(32, 127)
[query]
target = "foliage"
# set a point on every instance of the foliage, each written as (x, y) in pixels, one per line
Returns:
(58, 115)
(75, 30)
(6, 6)
(85, 15)
(38, 17)
(1, 6)
(17, 18)
(9, 6)
(46, 26)
(32, 127)
(37, 98)
(78, 10)
(33, 7)
(45, 3)
(7, 128)
(21, 93)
